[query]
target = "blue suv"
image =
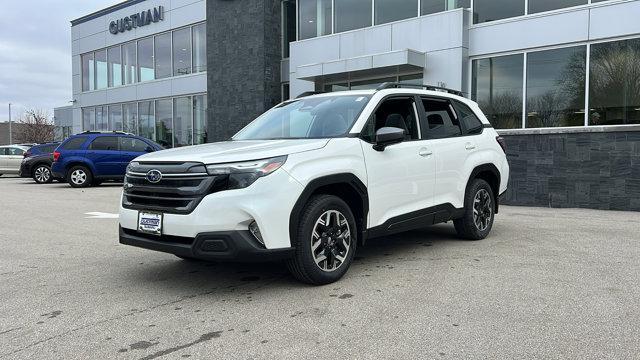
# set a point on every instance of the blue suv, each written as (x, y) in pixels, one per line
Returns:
(90, 158)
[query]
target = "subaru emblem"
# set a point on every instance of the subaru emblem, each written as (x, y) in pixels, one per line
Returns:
(154, 176)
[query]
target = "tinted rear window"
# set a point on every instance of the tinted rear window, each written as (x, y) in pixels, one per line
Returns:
(74, 144)
(45, 149)
(104, 143)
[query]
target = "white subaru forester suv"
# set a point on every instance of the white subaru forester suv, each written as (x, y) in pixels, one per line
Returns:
(313, 178)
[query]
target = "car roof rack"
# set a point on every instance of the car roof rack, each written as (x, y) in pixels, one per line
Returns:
(395, 85)
(105, 132)
(309, 93)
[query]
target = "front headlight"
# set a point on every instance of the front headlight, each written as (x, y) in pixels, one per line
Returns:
(245, 173)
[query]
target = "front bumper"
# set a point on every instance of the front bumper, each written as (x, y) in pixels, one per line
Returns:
(214, 246)
(25, 170)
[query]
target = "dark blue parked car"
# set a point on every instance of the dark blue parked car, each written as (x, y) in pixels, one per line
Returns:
(92, 157)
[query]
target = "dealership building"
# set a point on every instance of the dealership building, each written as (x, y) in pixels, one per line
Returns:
(560, 79)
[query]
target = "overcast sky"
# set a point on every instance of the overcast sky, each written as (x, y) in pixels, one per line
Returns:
(35, 52)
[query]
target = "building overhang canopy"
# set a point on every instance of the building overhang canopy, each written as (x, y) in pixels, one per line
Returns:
(388, 62)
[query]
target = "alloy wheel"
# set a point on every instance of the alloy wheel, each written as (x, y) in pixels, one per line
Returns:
(482, 209)
(330, 240)
(78, 177)
(42, 174)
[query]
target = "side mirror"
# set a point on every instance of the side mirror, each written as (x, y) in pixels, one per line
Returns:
(149, 149)
(388, 136)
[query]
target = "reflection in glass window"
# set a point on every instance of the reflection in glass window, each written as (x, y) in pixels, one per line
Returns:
(164, 123)
(614, 83)
(352, 14)
(130, 118)
(115, 117)
(183, 126)
(182, 52)
(490, 10)
(163, 56)
(414, 79)
(88, 72)
(555, 87)
(315, 18)
(288, 25)
(370, 84)
(536, 6)
(497, 87)
(200, 119)
(114, 60)
(336, 87)
(393, 10)
(88, 119)
(101, 69)
(199, 48)
(102, 120)
(146, 120)
(145, 60)
(435, 6)
(129, 62)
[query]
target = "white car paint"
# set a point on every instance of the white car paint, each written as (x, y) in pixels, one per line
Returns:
(406, 177)
(11, 157)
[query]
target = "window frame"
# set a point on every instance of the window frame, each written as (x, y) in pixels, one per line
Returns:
(424, 123)
(371, 117)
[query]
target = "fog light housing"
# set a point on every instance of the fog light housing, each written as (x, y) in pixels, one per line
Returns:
(255, 231)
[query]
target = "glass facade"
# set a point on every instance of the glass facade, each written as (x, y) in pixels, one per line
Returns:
(182, 52)
(555, 87)
(490, 10)
(178, 52)
(536, 6)
(366, 84)
(614, 83)
(556, 83)
(288, 25)
(391, 10)
(161, 56)
(171, 122)
(314, 18)
(497, 87)
(352, 14)
(435, 6)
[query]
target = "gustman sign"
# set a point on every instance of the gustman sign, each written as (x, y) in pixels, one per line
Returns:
(137, 20)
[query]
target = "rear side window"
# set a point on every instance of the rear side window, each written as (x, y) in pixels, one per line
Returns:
(74, 144)
(468, 118)
(133, 145)
(3, 151)
(442, 121)
(46, 149)
(15, 151)
(105, 143)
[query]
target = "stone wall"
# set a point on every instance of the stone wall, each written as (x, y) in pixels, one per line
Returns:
(243, 63)
(597, 170)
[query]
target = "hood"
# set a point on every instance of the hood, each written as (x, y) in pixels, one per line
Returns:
(232, 151)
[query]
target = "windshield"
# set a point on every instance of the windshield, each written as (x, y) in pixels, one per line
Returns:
(307, 118)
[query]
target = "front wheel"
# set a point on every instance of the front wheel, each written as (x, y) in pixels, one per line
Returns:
(479, 206)
(42, 174)
(325, 241)
(79, 177)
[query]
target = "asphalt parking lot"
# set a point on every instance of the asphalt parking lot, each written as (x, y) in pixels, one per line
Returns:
(548, 283)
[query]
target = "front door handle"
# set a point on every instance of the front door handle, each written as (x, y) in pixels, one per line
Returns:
(469, 146)
(424, 152)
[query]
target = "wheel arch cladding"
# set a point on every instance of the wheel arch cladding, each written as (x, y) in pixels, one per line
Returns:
(490, 174)
(346, 186)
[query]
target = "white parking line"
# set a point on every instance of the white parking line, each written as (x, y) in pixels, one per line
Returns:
(100, 215)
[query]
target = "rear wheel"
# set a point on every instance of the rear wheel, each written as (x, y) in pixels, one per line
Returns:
(42, 174)
(479, 211)
(79, 177)
(325, 241)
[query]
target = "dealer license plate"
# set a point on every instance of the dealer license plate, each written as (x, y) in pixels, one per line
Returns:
(150, 223)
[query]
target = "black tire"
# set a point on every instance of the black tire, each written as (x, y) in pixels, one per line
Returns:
(42, 174)
(190, 259)
(75, 178)
(333, 244)
(477, 228)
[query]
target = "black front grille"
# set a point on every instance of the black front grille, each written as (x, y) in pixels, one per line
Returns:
(181, 189)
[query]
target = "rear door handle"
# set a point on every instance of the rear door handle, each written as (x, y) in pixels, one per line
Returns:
(424, 152)
(469, 146)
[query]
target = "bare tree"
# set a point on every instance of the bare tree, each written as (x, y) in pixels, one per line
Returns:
(35, 127)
